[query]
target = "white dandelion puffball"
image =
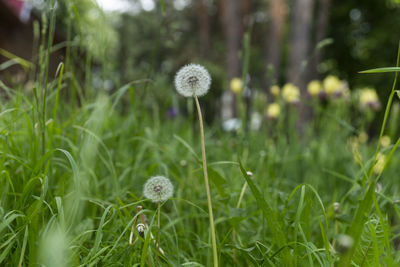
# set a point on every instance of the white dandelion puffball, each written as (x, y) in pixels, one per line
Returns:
(192, 79)
(158, 189)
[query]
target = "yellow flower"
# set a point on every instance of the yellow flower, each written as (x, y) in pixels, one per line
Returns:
(363, 137)
(331, 84)
(236, 85)
(275, 90)
(380, 163)
(385, 141)
(273, 110)
(314, 88)
(291, 93)
(369, 98)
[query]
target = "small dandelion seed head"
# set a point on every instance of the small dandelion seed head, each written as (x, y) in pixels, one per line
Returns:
(140, 227)
(158, 189)
(345, 242)
(192, 79)
(336, 207)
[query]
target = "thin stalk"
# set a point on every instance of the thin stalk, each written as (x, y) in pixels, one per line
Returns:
(234, 229)
(241, 195)
(46, 77)
(386, 116)
(367, 200)
(210, 211)
(158, 230)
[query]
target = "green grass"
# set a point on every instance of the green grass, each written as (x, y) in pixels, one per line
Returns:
(75, 203)
(72, 176)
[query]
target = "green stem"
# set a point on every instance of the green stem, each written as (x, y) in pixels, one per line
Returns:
(158, 231)
(210, 211)
(387, 111)
(234, 229)
(49, 43)
(367, 201)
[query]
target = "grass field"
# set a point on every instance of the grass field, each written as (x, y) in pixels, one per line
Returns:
(72, 176)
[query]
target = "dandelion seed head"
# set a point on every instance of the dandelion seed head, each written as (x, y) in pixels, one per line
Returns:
(345, 242)
(192, 79)
(158, 189)
(140, 227)
(336, 207)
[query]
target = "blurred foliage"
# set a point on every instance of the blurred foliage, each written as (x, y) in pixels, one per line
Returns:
(91, 28)
(364, 37)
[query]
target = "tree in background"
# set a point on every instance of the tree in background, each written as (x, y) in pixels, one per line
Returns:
(283, 35)
(232, 24)
(274, 42)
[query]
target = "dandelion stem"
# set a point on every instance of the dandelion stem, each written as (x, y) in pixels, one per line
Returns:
(158, 230)
(210, 211)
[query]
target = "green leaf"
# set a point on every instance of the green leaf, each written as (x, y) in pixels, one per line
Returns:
(219, 181)
(236, 215)
(357, 226)
(379, 70)
(271, 217)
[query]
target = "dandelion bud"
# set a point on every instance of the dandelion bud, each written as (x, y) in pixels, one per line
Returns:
(192, 80)
(336, 207)
(380, 163)
(385, 141)
(345, 243)
(255, 121)
(378, 187)
(363, 137)
(158, 189)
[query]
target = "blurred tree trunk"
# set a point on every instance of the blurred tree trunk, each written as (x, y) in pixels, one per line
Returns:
(204, 25)
(233, 32)
(277, 12)
(299, 50)
(246, 5)
(320, 34)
